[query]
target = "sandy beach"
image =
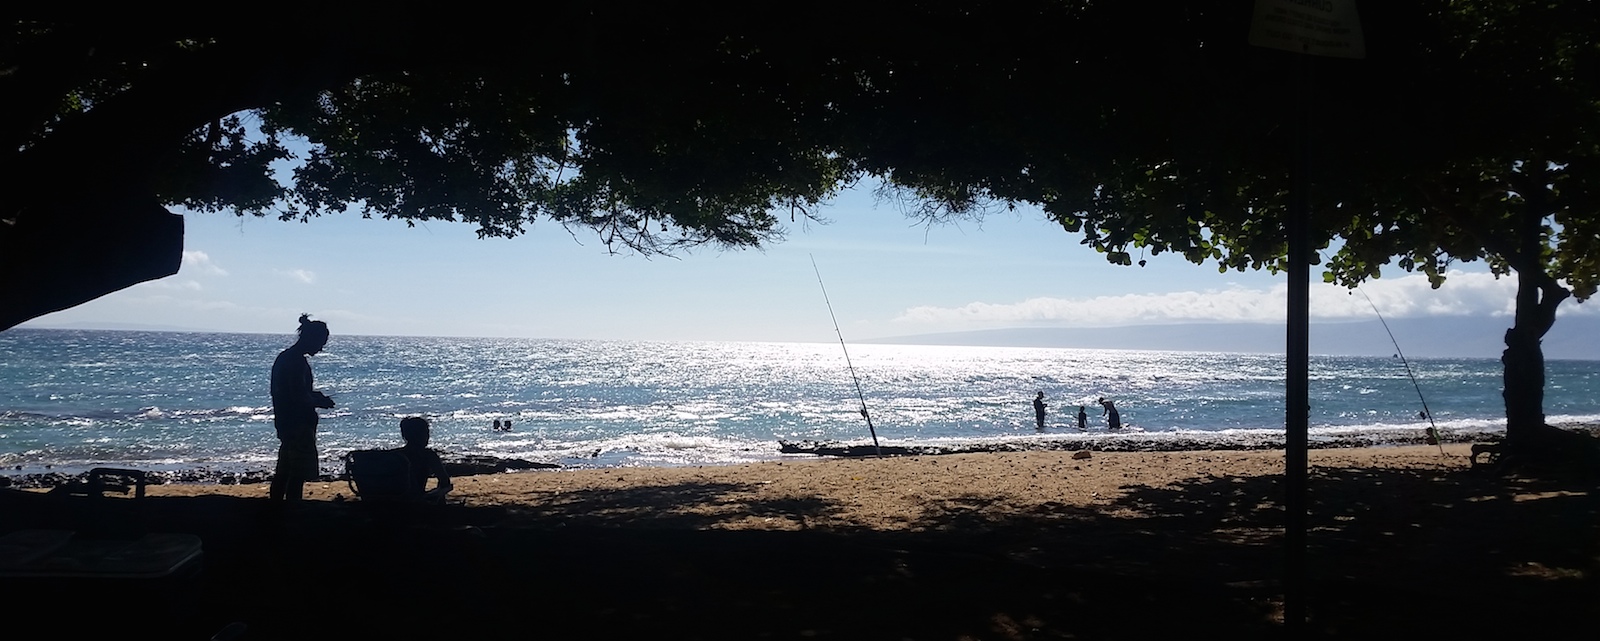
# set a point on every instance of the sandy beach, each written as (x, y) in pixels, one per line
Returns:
(888, 494)
(1025, 545)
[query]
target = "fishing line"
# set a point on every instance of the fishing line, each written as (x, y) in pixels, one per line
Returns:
(859, 394)
(1433, 429)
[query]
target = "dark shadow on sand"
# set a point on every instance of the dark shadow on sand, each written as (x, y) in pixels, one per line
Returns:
(1394, 554)
(688, 505)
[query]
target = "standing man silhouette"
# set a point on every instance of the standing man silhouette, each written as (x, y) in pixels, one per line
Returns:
(294, 412)
(1038, 410)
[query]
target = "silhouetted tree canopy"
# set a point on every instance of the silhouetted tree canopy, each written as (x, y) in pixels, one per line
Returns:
(659, 127)
(1471, 132)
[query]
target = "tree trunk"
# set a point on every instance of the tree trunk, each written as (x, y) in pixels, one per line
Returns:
(1531, 446)
(1538, 295)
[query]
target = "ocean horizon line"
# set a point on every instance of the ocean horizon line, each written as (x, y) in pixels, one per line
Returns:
(1574, 344)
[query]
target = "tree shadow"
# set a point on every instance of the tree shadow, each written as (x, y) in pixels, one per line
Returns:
(1392, 552)
(683, 505)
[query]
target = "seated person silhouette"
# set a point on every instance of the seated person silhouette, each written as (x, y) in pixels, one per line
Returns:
(424, 462)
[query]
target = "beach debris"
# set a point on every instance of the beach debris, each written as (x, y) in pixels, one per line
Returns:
(471, 464)
(834, 448)
(1081, 454)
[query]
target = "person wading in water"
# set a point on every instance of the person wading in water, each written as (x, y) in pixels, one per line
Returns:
(1109, 411)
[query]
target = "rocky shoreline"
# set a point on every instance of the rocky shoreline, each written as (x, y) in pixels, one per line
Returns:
(455, 464)
(460, 465)
(1128, 443)
(1158, 442)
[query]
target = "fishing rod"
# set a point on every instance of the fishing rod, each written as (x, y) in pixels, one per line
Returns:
(857, 379)
(1433, 428)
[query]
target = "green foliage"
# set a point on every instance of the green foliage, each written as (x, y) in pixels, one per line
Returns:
(1469, 134)
(674, 134)
(664, 127)
(219, 168)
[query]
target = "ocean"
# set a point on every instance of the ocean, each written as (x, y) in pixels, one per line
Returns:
(71, 400)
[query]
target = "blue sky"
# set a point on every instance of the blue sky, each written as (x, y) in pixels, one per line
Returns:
(886, 276)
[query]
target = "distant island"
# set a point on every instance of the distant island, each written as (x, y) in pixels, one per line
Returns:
(119, 327)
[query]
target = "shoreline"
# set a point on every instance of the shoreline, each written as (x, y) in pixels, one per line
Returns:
(1022, 479)
(465, 466)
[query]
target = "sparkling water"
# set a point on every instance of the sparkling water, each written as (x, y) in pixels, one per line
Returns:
(156, 400)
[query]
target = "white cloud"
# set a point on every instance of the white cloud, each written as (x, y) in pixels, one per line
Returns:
(1410, 296)
(200, 261)
(303, 275)
(172, 285)
(1463, 294)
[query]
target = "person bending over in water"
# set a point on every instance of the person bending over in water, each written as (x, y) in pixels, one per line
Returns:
(424, 462)
(294, 411)
(1109, 410)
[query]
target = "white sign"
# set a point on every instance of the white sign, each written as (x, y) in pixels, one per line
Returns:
(1315, 27)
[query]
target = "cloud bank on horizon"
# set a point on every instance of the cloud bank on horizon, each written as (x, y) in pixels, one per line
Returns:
(1409, 296)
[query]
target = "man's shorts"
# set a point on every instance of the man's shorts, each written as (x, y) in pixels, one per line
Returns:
(297, 459)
